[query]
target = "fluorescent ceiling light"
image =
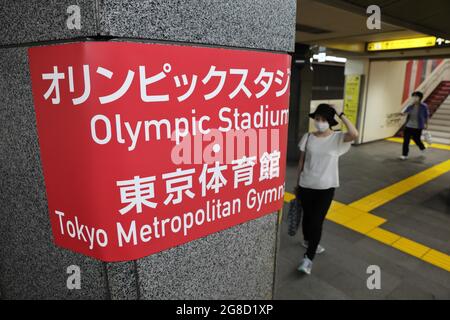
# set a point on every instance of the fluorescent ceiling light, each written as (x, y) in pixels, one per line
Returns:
(322, 58)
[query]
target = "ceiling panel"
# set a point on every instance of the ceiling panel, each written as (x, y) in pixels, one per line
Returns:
(425, 16)
(345, 21)
(340, 22)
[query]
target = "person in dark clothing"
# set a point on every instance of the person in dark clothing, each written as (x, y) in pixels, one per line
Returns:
(417, 120)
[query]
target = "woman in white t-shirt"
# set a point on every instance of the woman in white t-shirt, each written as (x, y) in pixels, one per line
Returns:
(318, 175)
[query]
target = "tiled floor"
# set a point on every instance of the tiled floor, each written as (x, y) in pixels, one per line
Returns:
(422, 215)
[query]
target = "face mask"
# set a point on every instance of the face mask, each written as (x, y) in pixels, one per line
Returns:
(321, 126)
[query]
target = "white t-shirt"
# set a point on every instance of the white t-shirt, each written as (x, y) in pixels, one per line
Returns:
(321, 167)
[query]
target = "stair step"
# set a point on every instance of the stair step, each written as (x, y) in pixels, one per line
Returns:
(439, 134)
(441, 140)
(439, 122)
(441, 128)
(439, 96)
(444, 107)
(440, 117)
(443, 111)
(435, 100)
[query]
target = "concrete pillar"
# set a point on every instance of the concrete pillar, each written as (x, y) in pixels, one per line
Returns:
(235, 263)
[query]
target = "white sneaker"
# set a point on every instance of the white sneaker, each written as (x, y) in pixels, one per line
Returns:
(403, 157)
(319, 249)
(305, 266)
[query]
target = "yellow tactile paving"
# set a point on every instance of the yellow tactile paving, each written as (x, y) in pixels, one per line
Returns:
(336, 205)
(373, 200)
(288, 197)
(383, 236)
(344, 214)
(411, 247)
(356, 216)
(434, 145)
(438, 259)
(365, 223)
(387, 194)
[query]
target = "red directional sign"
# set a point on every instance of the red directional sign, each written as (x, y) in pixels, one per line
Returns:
(148, 146)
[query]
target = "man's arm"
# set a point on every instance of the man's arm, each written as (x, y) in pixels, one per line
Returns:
(405, 110)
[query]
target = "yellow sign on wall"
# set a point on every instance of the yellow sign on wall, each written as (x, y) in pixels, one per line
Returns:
(402, 44)
(351, 96)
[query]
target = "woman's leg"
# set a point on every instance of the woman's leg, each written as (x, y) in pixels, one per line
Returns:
(406, 140)
(305, 201)
(322, 202)
(417, 135)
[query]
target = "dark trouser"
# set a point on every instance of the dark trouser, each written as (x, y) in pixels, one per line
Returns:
(315, 204)
(415, 134)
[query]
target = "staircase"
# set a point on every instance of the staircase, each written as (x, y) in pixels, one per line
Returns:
(436, 89)
(439, 123)
(438, 103)
(438, 96)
